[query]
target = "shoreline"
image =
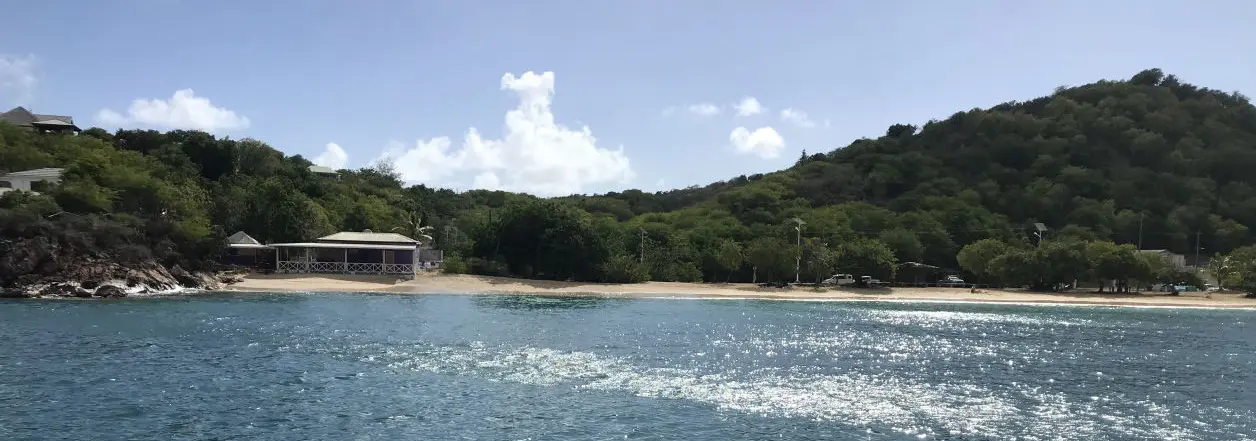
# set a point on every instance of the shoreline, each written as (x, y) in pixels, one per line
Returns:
(440, 284)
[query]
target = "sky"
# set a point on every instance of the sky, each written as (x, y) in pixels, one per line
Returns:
(555, 97)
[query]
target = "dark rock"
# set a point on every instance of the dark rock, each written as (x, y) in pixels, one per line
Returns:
(89, 284)
(63, 290)
(110, 292)
(184, 278)
(15, 293)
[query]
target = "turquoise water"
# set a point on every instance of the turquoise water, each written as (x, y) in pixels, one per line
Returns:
(395, 367)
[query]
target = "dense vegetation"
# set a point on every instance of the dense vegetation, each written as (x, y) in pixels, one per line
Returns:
(1151, 162)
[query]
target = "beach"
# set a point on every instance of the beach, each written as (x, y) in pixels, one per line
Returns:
(471, 285)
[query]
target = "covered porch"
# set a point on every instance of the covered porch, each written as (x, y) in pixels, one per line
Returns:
(344, 258)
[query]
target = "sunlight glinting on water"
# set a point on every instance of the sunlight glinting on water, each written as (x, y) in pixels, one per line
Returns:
(907, 406)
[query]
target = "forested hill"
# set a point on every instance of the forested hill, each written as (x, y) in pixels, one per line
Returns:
(1100, 162)
(1087, 161)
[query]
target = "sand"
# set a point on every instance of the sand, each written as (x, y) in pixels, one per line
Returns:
(466, 284)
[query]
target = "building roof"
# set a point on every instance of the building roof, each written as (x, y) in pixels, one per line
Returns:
(22, 117)
(242, 240)
(36, 173)
(367, 236)
(323, 170)
(353, 246)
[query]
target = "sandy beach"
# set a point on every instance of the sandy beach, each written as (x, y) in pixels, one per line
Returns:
(470, 285)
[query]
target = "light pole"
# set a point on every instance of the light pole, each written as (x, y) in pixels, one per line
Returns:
(1042, 231)
(798, 259)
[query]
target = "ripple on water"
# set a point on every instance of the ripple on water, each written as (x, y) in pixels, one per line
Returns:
(904, 405)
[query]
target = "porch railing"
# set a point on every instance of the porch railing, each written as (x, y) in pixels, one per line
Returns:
(297, 266)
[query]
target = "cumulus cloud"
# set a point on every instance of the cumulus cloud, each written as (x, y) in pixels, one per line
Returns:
(333, 157)
(797, 118)
(535, 154)
(763, 142)
(749, 106)
(184, 110)
(17, 78)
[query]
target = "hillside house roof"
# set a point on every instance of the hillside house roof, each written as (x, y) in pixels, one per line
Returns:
(39, 173)
(21, 117)
(322, 170)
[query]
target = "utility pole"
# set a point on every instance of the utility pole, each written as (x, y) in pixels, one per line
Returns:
(798, 259)
(641, 248)
(1196, 248)
(1140, 231)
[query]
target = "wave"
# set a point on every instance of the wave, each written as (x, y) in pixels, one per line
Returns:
(885, 402)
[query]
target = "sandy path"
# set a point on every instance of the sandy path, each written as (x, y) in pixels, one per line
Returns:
(465, 284)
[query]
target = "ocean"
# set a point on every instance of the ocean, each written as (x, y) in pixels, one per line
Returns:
(239, 366)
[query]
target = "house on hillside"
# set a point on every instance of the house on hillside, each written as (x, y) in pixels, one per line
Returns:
(321, 170)
(353, 252)
(30, 180)
(21, 117)
(1175, 260)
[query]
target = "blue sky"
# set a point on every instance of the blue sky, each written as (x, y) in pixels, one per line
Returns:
(407, 80)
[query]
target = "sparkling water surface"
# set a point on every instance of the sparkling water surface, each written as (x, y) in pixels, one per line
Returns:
(397, 367)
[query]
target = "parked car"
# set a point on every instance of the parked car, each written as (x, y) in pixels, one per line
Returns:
(953, 280)
(839, 280)
(868, 281)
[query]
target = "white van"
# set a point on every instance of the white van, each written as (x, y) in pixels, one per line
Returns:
(839, 280)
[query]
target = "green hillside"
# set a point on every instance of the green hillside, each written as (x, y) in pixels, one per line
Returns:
(1151, 160)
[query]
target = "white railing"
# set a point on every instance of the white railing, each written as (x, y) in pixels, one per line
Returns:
(296, 266)
(363, 268)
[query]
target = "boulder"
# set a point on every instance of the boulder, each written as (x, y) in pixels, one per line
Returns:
(110, 292)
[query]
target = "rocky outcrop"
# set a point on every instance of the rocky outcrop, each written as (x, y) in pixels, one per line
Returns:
(105, 279)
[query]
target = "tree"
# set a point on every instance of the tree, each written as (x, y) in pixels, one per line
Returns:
(976, 257)
(818, 259)
(866, 257)
(412, 225)
(771, 259)
(729, 256)
(906, 246)
(1225, 271)
(1117, 263)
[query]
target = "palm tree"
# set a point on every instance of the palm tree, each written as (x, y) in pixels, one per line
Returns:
(412, 224)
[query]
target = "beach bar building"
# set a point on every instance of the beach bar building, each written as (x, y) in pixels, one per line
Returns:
(350, 252)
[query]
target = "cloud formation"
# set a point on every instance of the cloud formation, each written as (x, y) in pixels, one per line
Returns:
(17, 78)
(535, 155)
(763, 142)
(749, 106)
(333, 157)
(797, 118)
(700, 110)
(184, 110)
(704, 109)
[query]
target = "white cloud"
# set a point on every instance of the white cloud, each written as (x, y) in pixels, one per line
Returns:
(797, 117)
(17, 78)
(333, 156)
(535, 155)
(764, 141)
(700, 109)
(184, 110)
(704, 109)
(749, 106)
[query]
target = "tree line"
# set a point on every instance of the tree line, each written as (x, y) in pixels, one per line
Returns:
(1149, 161)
